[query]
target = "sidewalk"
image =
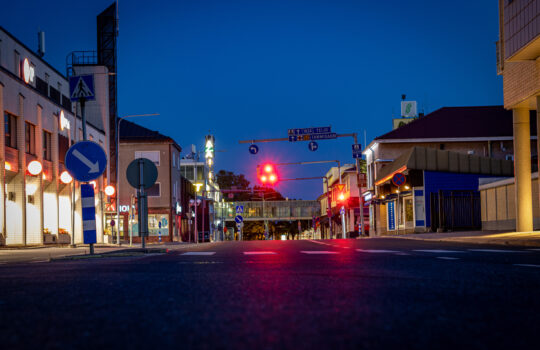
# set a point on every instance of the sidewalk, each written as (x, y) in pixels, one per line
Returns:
(530, 239)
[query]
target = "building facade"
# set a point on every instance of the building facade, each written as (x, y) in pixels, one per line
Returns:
(518, 61)
(39, 125)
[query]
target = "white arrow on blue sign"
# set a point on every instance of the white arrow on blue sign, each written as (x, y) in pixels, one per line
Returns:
(239, 219)
(313, 146)
(253, 149)
(86, 161)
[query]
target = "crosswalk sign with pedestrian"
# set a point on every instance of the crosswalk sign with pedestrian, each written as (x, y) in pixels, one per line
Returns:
(82, 86)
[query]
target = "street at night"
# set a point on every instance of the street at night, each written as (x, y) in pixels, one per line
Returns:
(353, 294)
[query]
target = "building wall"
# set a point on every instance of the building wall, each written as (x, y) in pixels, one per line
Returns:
(499, 205)
(34, 205)
(521, 24)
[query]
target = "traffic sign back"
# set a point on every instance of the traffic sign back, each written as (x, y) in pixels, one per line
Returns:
(86, 161)
(149, 169)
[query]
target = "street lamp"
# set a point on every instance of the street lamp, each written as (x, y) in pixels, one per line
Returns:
(118, 170)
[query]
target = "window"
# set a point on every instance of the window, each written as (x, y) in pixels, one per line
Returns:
(152, 155)
(10, 123)
(47, 136)
(173, 159)
(154, 191)
(16, 63)
(30, 138)
(509, 157)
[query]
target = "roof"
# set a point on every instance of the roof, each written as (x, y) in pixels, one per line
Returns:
(422, 158)
(459, 122)
(133, 132)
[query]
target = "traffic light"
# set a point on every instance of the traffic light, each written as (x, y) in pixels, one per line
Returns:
(340, 193)
(267, 174)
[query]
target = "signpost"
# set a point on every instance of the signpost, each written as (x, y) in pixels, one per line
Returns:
(142, 174)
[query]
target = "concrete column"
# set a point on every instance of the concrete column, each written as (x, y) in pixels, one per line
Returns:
(522, 170)
(2, 170)
(21, 177)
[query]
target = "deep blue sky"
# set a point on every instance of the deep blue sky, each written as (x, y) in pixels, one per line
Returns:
(252, 69)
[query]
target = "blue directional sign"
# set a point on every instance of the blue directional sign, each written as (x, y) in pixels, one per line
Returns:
(239, 219)
(88, 213)
(325, 136)
(239, 209)
(357, 150)
(82, 87)
(309, 131)
(86, 161)
(253, 149)
(313, 146)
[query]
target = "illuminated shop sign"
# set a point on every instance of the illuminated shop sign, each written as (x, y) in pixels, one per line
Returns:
(28, 73)
(124, 208)
(64, 122)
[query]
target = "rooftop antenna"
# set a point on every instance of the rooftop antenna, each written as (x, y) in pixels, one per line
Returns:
(41, 43)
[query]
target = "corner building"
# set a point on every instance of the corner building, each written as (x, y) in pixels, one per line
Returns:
(38, 127)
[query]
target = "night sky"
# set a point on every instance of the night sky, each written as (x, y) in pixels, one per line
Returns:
(253, 69)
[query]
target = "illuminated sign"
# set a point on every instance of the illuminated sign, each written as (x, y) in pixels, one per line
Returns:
(64, 122)
(124, 208)
(198, 187)
(28, 72)
(209, 149)
(178, 208)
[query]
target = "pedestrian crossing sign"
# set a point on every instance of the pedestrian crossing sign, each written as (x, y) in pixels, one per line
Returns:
(81, 87)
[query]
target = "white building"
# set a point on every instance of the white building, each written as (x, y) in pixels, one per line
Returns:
(38, 127)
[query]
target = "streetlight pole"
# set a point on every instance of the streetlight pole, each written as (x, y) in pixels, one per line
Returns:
(118, 170)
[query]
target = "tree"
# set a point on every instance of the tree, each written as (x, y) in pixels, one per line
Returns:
(227, 180)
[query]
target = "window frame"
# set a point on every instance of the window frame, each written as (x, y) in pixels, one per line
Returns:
(29, 144)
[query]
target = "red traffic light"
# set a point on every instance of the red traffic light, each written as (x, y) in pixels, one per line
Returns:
(268, 174)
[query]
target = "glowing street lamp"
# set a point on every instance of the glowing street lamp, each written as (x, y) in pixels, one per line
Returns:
(109, 190)
(34, 167)
(65, 177)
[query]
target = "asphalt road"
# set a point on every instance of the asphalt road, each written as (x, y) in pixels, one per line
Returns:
(338, 294)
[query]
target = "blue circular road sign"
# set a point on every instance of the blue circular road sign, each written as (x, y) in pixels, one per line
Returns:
(238, 219)
(398, 179)
(253, 149)
(313, 146)
(86, 161)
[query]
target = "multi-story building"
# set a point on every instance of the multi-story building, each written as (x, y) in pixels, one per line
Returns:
(518, 61)
(472, 131)
(38, 127)
(168, 199)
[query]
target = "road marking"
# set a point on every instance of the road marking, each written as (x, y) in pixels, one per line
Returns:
(535, 249)
(401, 253)
(199, 253)
(447, 258)
(38, 261)
(377, 251)
(318, 252)
(259, 253)
(442, 251)
(496, 251)
(320, 242)
(527, 265)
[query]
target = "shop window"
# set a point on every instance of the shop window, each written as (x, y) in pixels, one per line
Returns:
(30, 138)
(10, 124)
(63, 146)
(47, 137)
(154, 191)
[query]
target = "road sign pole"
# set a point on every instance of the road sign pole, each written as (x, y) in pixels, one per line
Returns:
(143, 215)
(360, 196)
(83, 117)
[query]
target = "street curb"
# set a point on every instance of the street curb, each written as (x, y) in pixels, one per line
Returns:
(115, 254)
(473, 240)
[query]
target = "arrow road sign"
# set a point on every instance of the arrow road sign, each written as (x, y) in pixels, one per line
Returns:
(88, 213)
(253, 149)
(86, 161)
(313, 146)
(239, 219)
(82, 86)
(357, 150)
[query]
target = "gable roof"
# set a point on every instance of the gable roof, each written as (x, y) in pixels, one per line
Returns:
(133, 132)
(459, 122)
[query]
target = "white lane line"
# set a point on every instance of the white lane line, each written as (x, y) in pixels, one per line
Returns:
(259, 253)
(318, 252)
(312, 241)
(496, 251)
(199, 253)
(377, 251)
(527, 265)
(447, 258)
(441, 251)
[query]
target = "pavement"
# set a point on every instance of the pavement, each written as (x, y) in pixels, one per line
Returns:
(313, 294)
(531, 239)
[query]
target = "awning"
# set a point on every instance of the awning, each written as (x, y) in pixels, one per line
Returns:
(422, 158)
